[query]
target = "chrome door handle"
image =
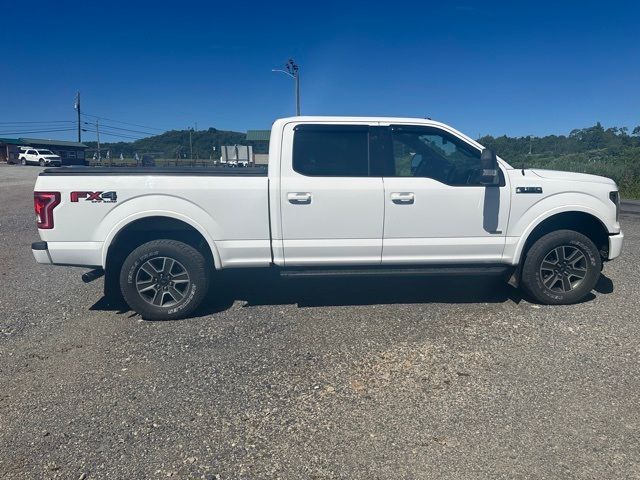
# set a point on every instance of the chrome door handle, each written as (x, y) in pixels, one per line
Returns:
(299, 198)
(403, 198)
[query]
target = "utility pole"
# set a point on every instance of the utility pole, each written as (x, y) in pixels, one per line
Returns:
(292, 69)
(191, 145)
(77, 107)
(98, 137)
(296, 74)
(195, 130)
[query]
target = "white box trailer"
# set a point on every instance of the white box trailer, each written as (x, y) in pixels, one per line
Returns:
(236, 155)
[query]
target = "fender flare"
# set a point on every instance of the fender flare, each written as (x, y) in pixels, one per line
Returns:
(119, 226)
(545, 216)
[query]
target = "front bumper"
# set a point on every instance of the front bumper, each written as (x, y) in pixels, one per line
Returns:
(615, 245)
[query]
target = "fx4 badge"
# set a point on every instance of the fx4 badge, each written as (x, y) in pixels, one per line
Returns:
(95, 197)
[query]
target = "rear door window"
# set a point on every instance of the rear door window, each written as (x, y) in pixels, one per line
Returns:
(331, 150)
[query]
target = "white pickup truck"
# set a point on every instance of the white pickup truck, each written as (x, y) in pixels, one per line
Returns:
(341, 196)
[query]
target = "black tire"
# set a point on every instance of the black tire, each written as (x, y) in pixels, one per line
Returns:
(162, 290)
(23, 162)
(41, 163)
(561, 268)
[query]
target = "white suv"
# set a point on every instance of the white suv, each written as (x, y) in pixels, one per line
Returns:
(39, 156)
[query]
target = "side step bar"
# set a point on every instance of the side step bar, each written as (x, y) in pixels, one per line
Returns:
(457, 270)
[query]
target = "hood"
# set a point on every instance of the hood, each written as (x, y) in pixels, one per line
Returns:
(571, 176)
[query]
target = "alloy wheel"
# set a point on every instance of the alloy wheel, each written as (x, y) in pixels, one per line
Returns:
(563, 268)
(162, 281)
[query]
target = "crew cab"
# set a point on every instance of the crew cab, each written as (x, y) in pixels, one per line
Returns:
(38, 156)
(341, 196)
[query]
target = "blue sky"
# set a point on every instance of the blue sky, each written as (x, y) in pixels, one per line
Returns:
(513, 68)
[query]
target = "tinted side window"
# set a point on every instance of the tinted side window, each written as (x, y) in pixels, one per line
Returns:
(331, 151)
(433, 153)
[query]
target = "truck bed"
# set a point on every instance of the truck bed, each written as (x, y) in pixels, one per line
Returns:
(143, 171)
(229, 207)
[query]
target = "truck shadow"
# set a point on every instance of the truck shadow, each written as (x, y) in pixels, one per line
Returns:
(257, 288)
(324, 292)
(261, 289)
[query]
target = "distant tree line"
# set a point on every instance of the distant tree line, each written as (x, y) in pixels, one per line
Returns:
(175, 144)
(613, 152)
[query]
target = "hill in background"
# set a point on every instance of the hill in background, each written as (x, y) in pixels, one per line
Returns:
(175, 143)
(612, 152)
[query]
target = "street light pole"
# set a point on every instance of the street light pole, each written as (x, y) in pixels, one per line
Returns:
(292, 69)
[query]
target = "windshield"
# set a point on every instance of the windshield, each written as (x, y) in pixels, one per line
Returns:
(45, 152)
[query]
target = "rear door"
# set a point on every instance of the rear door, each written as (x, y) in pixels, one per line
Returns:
(436, 209)
(32, 156)
(332, 208)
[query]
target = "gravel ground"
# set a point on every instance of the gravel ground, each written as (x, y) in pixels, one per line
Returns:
(314, 379)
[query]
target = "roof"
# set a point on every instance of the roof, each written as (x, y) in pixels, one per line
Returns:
(337, 120)
(11, 141)
(258, 135)
(57, 143)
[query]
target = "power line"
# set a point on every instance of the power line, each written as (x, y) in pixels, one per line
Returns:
(125, 123)
(124, 129)
(40, 121)
(107, 130)
(22, 132)
(102, 132)
(113, 134)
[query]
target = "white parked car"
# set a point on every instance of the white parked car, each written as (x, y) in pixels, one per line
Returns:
(341, 196)
(39, 156)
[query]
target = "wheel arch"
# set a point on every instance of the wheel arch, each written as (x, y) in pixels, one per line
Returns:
(138, 229)
(579, 220)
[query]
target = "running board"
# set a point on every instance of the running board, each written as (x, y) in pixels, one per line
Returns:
(457, 270)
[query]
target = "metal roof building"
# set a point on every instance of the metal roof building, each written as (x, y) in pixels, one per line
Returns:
(71, 153)
(258, 135)
(259, 140)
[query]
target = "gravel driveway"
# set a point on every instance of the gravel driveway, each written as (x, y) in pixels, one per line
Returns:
(386, 378)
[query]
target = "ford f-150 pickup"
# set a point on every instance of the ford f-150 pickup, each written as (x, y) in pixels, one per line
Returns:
(341, 196)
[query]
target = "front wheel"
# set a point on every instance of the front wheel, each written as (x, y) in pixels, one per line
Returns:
(164, 279)
(561, 268)
(42, 163)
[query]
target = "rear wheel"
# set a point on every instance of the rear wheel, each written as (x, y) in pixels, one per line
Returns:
(23, 161)
(561, 268)
(164, 279)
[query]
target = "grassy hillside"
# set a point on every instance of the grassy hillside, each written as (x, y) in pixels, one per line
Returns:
(609, 152)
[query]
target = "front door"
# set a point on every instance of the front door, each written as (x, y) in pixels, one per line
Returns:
(332, 210)
(436, 209)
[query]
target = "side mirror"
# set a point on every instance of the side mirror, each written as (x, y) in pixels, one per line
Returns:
(490, 172)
